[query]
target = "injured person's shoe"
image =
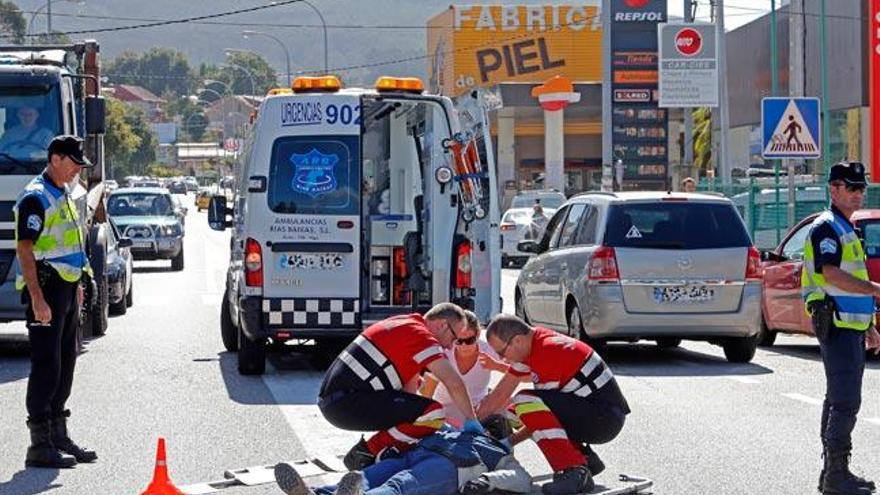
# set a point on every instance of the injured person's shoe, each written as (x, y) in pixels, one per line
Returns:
(359, 457)
(351, 484)
(571, 481)
(290, 481)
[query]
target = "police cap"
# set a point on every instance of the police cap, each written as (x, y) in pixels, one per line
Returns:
(851, 173)
(70, 146)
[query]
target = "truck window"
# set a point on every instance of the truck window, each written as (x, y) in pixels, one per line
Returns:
(315, 175)
(30, 116)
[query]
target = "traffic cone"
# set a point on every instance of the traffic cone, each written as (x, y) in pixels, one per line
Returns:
(161, 484)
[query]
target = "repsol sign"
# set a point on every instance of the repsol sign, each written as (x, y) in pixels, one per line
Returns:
(627, 11)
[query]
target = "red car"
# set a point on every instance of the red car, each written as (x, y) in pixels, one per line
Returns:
(782, 305)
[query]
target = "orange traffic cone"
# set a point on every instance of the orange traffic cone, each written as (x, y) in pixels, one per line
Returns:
(161, 484)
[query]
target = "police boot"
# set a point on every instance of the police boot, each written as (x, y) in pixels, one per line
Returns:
(838, 479)
(63, 442)
(42, 452)
(594, 463)
(570, 481)
(359, 457)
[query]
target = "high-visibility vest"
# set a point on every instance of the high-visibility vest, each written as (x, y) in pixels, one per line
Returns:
(60, 243)
(853, 311)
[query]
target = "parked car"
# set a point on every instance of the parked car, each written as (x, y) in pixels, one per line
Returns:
(782, 306)
(548, 198)
(147, 216)
(177, 187)
(179, 208)
(203, 199)
(111, 185)
(514, 227)
(646, 265)
(119, 271)
(192, 185)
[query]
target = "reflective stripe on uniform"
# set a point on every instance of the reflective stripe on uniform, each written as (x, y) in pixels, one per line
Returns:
(549, 434)
(378, 362)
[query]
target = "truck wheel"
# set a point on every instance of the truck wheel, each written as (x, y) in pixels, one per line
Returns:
(227, 329)
(251, 355)
(177, 261)
(100, 308)
(741, 349)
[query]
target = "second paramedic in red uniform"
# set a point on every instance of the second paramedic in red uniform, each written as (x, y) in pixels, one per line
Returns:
(372, 384)
(575, 401)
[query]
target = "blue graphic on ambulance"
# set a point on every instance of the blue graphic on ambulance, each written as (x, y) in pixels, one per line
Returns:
(313, 173)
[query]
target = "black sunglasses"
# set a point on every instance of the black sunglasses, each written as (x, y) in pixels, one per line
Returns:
(467, 341)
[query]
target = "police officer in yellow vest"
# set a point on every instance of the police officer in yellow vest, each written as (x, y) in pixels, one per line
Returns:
(51, 258)
(840, 299)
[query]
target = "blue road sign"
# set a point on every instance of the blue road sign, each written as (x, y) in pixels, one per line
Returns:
(791, 128)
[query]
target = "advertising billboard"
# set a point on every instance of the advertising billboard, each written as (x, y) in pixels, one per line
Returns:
(473, 46)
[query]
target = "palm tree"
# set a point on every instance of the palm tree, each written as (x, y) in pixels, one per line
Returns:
(703, 139)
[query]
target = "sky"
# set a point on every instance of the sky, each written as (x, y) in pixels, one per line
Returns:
(736, 12)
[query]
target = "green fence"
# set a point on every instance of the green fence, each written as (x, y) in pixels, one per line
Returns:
(765, 209)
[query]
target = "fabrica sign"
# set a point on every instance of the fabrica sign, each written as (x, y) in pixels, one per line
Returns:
(638, 10)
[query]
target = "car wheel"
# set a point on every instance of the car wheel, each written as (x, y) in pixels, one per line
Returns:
(767, 337)
(251, 355)
(119, 308)
(576, 328)
(177, 261)
(228, 331)
(668, 343)
(741, 349)
(519, 307)
(100, 308)
(129, 298)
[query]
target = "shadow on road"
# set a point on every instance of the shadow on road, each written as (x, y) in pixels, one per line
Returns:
(31, 482)
(811, 352)
(15, 364)
(151, 269)
(650, 360)
(294, 380)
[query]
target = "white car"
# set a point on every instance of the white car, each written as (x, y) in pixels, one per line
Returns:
(514, 227)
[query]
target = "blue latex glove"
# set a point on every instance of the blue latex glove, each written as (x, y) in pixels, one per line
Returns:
(473, 426)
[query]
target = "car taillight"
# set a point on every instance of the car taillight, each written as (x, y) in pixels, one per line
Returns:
(253, 263)
(463, 266)
(399, 296)
(505, 227)
(603, 265)
(753, 264)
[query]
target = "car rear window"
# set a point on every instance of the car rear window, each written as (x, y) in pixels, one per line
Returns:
(553, 201)
(675, 225)
(871, 234)
(519, 216)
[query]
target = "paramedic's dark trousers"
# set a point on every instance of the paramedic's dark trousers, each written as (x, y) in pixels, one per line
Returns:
(53, 350)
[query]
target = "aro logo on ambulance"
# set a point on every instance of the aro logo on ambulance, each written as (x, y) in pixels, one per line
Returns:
(313, 173)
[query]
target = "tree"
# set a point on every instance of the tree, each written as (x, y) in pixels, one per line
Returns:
(12, 23)
(120, 141)
(703, 138)
(191, 115)
(161, 70)
(239, 70)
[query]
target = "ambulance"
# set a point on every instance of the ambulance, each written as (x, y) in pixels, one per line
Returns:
(353, 205)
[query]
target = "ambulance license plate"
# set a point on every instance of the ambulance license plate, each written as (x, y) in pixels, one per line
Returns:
(683, 294)
(322, 261)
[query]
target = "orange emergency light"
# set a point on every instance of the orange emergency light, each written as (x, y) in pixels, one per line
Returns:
(323, 83)
(280, 91)
(402, 84)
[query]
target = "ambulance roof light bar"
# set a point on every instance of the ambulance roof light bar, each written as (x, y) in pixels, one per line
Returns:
(400, 84)
(324, 83)
(280, 91)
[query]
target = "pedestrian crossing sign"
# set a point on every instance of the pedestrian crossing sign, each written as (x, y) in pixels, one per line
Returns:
(791, 128)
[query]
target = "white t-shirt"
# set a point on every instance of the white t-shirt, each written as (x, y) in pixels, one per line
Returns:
(476, 380)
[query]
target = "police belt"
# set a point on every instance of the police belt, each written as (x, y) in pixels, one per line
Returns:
(370, 365)
(592, 376)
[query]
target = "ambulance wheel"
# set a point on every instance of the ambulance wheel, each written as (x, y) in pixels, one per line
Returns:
(326, 351)
(228, 331)
(251, 355)
(741, 349)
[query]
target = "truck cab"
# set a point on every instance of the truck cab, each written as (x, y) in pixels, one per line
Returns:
(350, 206)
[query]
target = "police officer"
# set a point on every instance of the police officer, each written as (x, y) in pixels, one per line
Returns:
(840, 299)
(51, 257)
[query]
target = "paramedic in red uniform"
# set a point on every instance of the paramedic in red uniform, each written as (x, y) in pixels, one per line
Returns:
(575, 401)
(372, 384)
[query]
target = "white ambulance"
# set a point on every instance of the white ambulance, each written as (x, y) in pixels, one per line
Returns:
(353, 205)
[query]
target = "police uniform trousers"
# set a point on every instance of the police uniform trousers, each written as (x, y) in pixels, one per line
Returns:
(843, 353)
(53, 347)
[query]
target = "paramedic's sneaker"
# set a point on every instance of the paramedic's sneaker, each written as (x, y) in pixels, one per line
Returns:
(351, 484)
(290, 481)
(359, 457)
(594, 463)
(571, 481)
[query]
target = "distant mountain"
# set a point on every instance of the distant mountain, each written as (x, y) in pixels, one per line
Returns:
(205, 43)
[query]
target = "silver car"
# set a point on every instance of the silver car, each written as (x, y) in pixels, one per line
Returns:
(517, 225)
(646, 265)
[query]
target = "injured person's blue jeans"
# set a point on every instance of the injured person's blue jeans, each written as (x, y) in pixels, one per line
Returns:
(418, 472)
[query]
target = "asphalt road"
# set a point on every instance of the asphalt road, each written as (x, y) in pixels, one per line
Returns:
(699, 424)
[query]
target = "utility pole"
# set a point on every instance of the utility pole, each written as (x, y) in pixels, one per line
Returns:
(774, 91)
(607, 128)
(48, 19)
(688, 112)
(795, 86)
(724, 114)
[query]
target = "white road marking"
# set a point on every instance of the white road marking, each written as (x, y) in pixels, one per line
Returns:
(743, 379)
(803, 398)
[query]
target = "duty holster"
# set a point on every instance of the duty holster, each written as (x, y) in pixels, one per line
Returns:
(822, 313)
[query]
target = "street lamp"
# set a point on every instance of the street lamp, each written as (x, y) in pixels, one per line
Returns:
(324, 24)
(249, 74)
(48, 7)
(248, 33)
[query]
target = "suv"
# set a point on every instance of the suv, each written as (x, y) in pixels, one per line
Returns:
(147, 216)
(646, 265)
(548, 198)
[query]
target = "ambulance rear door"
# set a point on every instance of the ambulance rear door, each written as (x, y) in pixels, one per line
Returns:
(312, 239)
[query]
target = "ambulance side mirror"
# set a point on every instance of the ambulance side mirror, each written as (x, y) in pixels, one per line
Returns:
(218, 213)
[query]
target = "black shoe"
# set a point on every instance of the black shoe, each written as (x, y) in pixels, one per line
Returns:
(359, 457)
(63, 442)
(594, 463)
(289, 480)
(42, 452)
(838, 480)
(571, 481)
